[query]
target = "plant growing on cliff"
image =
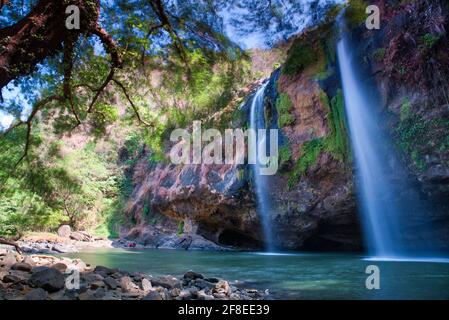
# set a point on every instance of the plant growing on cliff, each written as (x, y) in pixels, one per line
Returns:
(310, 151)
(335, 143)
(405, 109)
(180, 227)
(303, 53)
(355, 13)
(419, 137)
(283, 107)
(430, 40)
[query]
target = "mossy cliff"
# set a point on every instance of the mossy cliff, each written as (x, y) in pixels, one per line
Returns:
(313, 191)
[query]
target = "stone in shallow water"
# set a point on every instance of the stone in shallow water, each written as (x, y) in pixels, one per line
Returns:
(191, 275)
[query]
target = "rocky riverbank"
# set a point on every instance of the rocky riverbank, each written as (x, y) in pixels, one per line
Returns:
(68, 241)
(43, 277)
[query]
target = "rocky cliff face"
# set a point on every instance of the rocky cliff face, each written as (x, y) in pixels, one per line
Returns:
(199, 206)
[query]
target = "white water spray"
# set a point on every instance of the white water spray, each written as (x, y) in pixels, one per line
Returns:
(264, 208)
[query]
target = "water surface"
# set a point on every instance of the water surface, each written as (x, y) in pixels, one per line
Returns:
(289, 276)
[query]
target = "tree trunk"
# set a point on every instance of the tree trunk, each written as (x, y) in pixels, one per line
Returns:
(40, 35)
(9, 243)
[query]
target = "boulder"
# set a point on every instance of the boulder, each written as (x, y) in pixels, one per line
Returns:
(21, 266)
(222, 286)
(190, 275)
(80, 236)
(9, 278)
(36, 294)
(146, 285)
(97, 284)
(48, 279)
(64, 231)
(128, 285)
(167, 282)
(60, 266)
(154, 295)
(111, 283)
(104, 271)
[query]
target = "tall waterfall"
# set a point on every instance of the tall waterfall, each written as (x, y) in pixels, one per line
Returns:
(374, 161)
(264, 208)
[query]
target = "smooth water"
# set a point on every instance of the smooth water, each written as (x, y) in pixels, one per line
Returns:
(288, 276)
(257, 121)
(380, 202)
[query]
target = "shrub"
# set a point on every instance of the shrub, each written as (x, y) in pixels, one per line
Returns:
(283, 107)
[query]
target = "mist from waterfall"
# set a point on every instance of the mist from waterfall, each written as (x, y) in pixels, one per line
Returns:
(264, 207)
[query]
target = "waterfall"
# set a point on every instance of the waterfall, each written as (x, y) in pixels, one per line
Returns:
(380, 177)
(264, 208)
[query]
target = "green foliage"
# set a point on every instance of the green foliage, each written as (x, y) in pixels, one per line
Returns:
(355, 13)
(430, 40)
(405, 109)
(283, 107)
(419, 137)
(285, 154)
(379, 54)
(300, 56)
(336, 143)
(180, 227)
(309, 155)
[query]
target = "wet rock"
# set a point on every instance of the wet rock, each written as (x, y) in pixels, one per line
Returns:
(104, 271)
(167, 282)
(111, 283)
(9, 278)
(203, 296)
(190, 275)
(97, 284)
(203, 284)
(48, 279)
(21, 266)
(36, 294)
(154, 295)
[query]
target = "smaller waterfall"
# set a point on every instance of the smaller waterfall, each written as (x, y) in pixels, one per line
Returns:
(264, 208)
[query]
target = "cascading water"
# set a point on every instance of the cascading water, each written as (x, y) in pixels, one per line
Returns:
(379, 175)
(257, 121)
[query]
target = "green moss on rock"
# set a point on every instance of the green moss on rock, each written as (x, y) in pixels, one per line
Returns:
(283, 107)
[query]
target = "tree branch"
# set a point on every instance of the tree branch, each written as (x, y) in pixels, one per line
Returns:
(136, 111)
(28, 123)
(10, 243)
